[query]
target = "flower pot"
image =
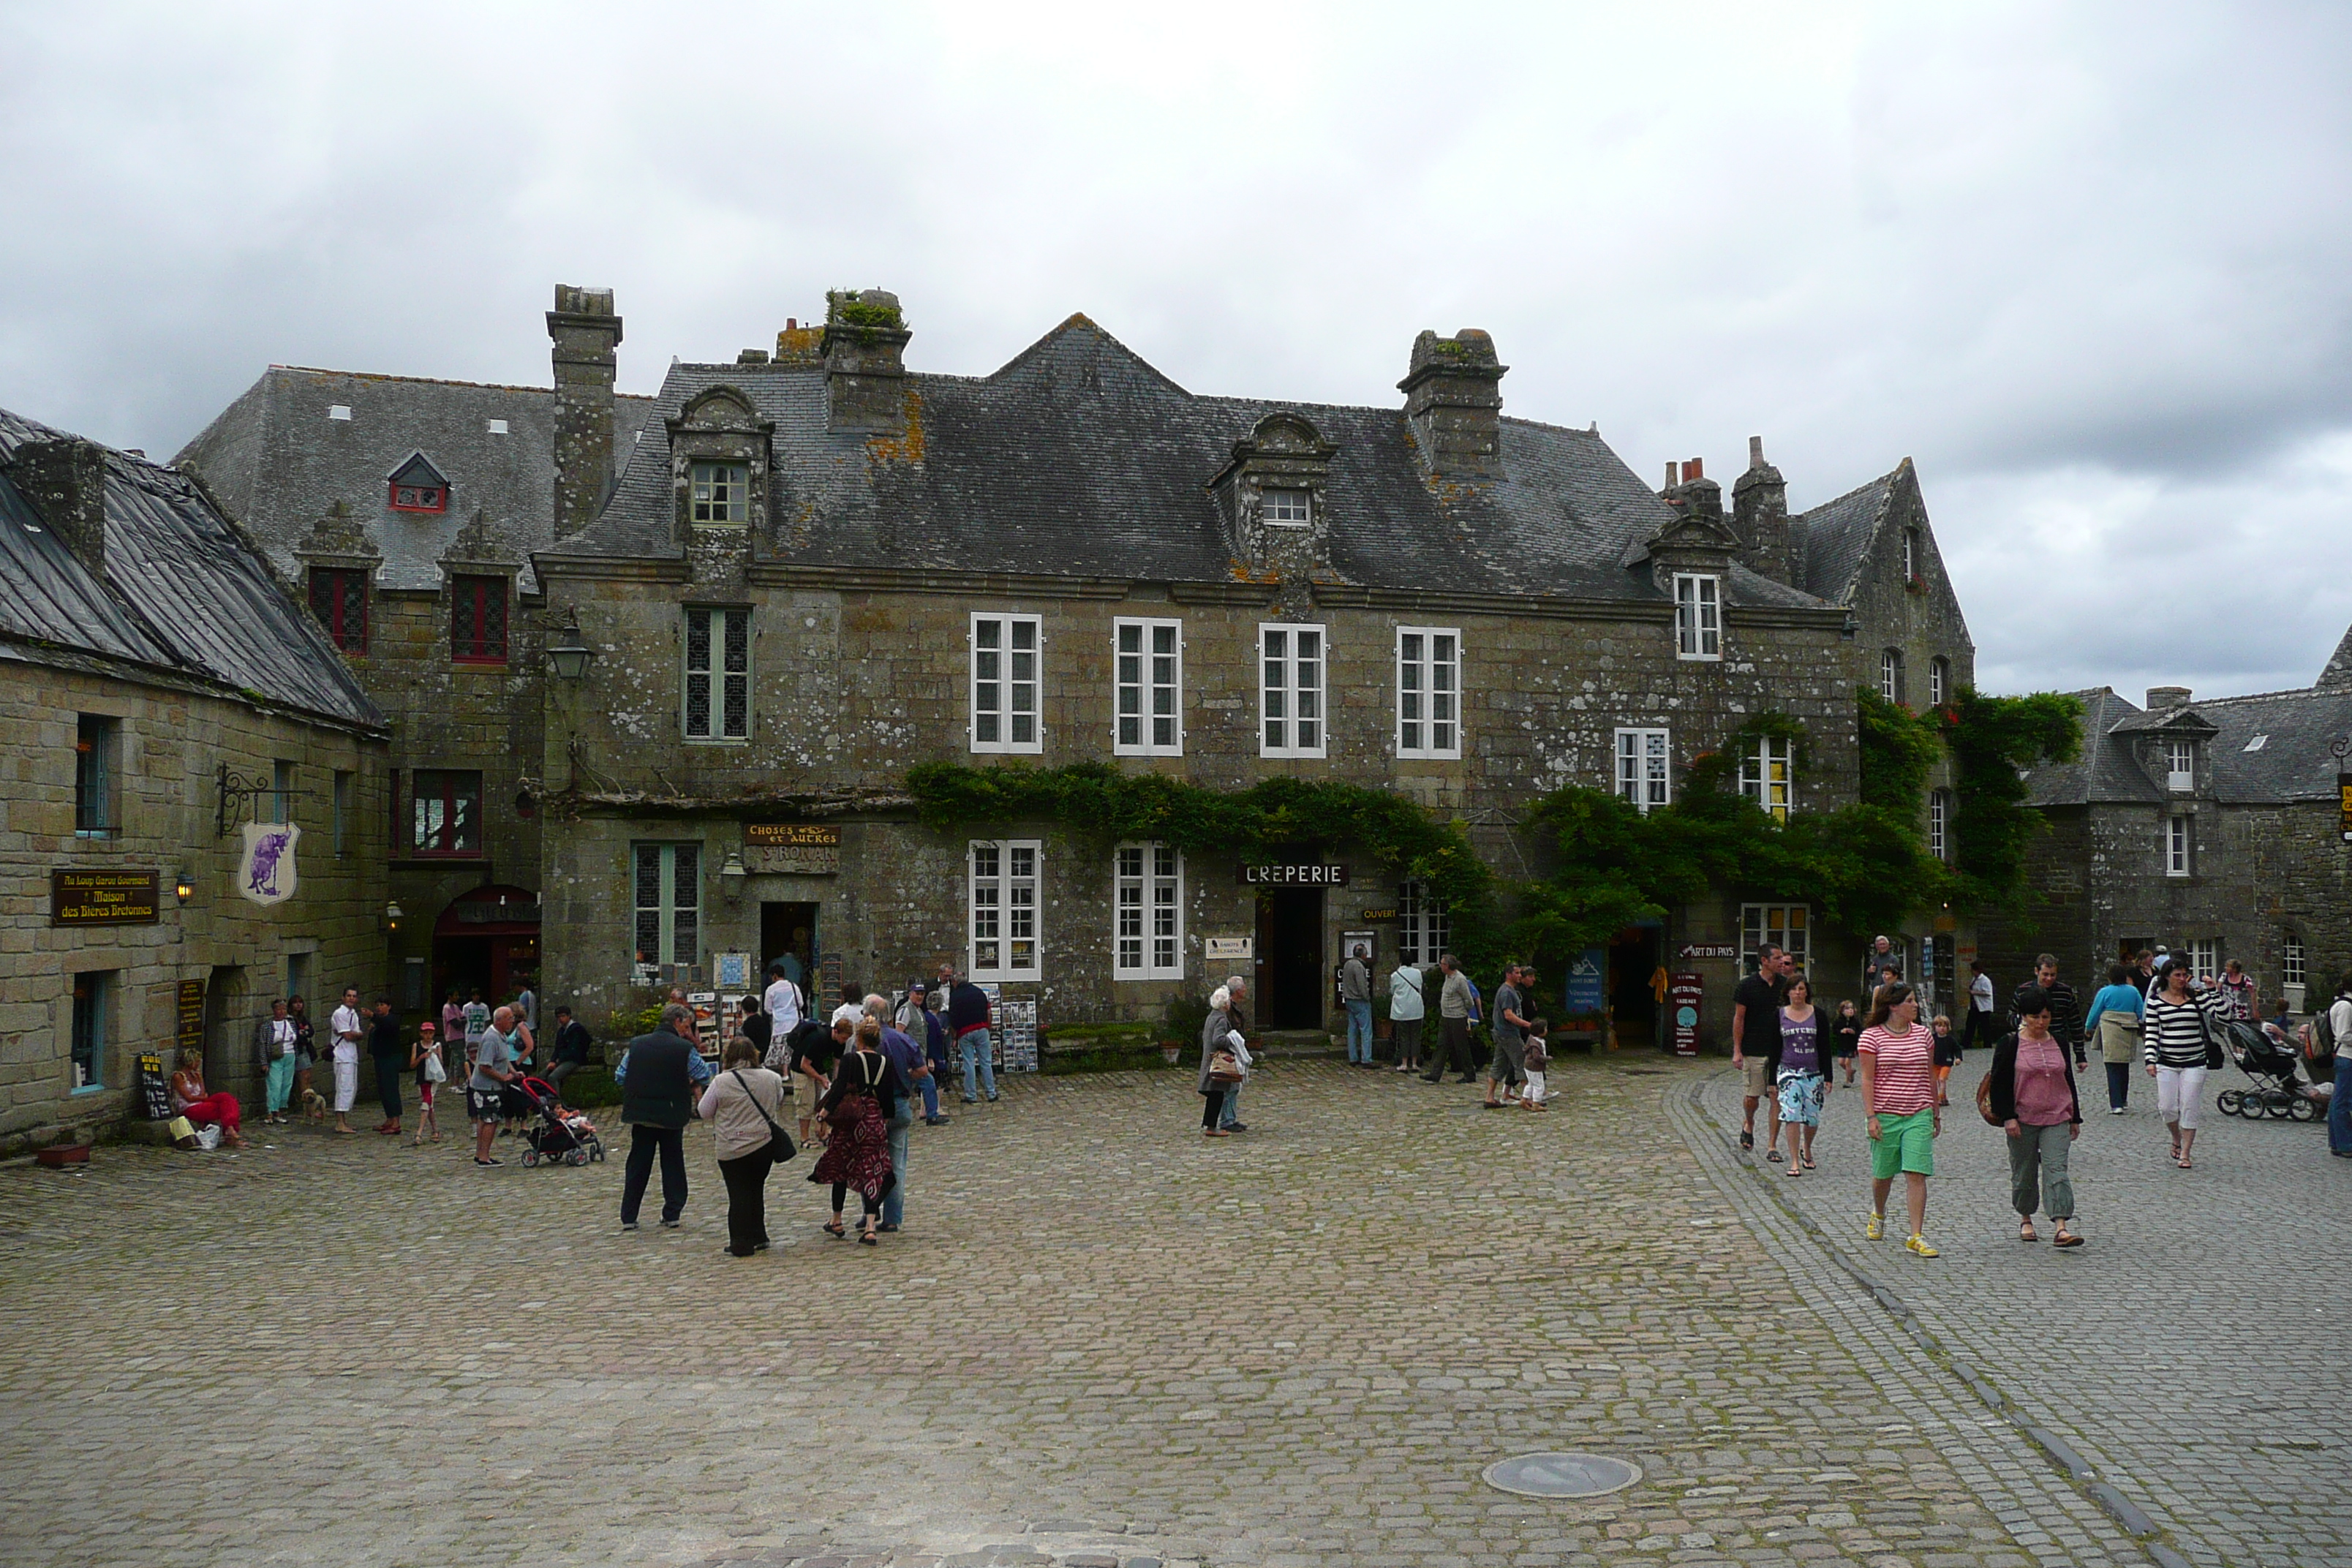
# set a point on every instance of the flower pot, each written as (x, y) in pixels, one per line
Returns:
(60, 1155)
(1170, 1050)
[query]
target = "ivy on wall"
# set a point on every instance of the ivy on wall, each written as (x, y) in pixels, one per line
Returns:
(1099, 802)
(1993, 739)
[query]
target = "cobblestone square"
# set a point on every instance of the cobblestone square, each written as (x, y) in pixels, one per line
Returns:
(1102, 1340)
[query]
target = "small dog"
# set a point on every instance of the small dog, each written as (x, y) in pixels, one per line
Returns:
(314, 1106)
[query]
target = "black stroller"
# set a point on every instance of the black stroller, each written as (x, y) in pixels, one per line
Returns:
(557, 1135)
(2279, 1090)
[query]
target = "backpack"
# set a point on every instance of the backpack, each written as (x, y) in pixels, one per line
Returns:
(2322, 1029)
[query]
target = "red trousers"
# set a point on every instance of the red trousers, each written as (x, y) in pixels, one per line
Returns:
(214, 1108)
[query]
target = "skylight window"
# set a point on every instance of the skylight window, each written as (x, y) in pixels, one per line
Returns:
(339, 411)
(2256, 744)
(497, 427)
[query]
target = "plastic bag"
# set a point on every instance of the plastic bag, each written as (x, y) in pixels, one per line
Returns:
(208, 1137)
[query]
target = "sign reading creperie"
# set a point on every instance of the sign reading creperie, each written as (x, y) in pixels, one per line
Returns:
(1294, 875)
(102, 898)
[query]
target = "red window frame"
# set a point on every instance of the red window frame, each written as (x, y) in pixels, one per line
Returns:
(421, 498)
(478, 620)
(458, 793)
(333, 590)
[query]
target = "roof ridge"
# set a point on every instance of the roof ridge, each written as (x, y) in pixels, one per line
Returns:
(442, 380)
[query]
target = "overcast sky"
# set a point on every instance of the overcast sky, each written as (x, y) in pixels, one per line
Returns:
(2090, 266)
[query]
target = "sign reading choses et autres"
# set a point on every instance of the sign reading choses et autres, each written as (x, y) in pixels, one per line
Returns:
(792, 835)
(103, 897)
(1288, 875)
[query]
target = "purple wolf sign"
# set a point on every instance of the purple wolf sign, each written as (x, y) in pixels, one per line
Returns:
(266, 872)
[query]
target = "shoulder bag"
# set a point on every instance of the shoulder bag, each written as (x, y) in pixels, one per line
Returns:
(2214, 1055)
(1984, 1087)
(780, 1142)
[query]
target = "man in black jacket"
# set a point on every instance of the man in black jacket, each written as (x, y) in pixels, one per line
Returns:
(2065, 1011)
(658, 1075)
(571, 1042)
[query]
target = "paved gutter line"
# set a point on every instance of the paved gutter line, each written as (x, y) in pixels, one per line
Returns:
(1714, 1148)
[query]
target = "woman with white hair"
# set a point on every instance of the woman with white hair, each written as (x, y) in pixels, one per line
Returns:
(1221, 1061)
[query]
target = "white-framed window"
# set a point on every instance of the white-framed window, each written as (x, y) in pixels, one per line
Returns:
(1699, 616)
(715, 695)
(1147, 930)
(1424, 927)
(1890, 674)
(1289, 509)
(1939, 824)
(2205, 957)
(1939, 680)
(1644, 774)
(1148, 657)
(2180, 766)
(1768, 777)
(1429, 691)
(1789, 927)
(2291, 970)
(720, 493)
(2176, 845)
(1290, 687)
(669, 880)
(1005, 655)
(1001, 885)
(1910, 553)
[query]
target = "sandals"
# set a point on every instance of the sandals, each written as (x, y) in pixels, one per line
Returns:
(1747, 1140)
(1794, 1170)
(833, 1230)
(2183, 1163)
(865, 1239)
(1809, 1163)
(2066, 1238)
(2025, 1231)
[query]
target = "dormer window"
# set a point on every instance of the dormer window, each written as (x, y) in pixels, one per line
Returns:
(1288, 509)
(418, 486)
(720, 494)
(2180, 766)
(1699, 616)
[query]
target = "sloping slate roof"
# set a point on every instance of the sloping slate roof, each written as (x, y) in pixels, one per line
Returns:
(2293, 762)
(182, 591)
(1079, 459)
(276, 461)
(1832, 538)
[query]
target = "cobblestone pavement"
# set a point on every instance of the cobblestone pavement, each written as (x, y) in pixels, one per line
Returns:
(2190, 1354)
(1101, 1341)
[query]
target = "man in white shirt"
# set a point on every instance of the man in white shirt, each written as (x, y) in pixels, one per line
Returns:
(1979, 1030)
(346, 1028)
(782, 1002)
(2339, 1103)
(852, 1007)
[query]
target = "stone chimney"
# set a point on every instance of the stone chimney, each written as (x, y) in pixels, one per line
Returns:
(2160, 697)
(586, 331)
(1760, 510)
(65, 482)
(1694, 494)
(1453, 402)
(865, 350)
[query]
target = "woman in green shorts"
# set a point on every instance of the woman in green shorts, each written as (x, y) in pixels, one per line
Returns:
(1898, 1098)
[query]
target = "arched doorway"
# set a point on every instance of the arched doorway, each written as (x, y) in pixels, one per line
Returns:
(486, 937)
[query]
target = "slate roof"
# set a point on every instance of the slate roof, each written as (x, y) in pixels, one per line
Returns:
(2293, 762)
(276, 461)
(1833, 538)
(183, 592)
(1078, 459)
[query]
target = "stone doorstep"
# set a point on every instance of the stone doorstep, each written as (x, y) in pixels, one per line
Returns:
(1299, 1042)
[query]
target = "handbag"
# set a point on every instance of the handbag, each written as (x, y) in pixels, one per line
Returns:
(2213, 1056)
(1224, 1067)
(1984, 1099)
(781, 1146)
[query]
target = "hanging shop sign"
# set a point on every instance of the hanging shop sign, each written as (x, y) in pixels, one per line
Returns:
(192, 1015)
(1294, 875)
(264, 872)
(2344, 805)
(1684, 996)
(104, 898)
(793, 848)
(1691, 952)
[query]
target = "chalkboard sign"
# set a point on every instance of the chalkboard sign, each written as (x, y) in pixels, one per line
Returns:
(829, 982)
(154, 1091)
(191, 1016)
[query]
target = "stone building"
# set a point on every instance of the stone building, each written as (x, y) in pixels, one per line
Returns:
(2215, 828)
(158, 692)
(405, 513)
(819, 567)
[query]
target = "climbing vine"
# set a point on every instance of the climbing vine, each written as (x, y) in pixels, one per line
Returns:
(1101, 803)
(1992, 741)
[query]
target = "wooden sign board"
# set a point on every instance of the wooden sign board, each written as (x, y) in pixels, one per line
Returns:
(792, 849)
(192, 1015)
(792, 835)
(103, 897)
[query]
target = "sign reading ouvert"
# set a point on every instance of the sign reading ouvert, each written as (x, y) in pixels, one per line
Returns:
(1562, 1475)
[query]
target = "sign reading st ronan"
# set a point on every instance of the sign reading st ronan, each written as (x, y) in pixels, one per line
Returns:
(102, 898)
(1293, 876)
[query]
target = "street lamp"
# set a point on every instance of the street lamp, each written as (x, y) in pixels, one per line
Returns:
(731, 873)
(393, 915)
(182, 889)
(569, 653)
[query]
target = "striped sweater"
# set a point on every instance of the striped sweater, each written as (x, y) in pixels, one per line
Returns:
(2172, 1033)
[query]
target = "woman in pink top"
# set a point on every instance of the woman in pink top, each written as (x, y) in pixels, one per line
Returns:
(2033, 1097)
(1900, 1113)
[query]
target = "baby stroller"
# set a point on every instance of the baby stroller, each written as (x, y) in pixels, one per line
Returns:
(557, 1135)
(2279, 1090)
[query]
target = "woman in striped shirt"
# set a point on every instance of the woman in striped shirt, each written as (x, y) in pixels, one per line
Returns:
(1899, 1099)
(2173, 1031)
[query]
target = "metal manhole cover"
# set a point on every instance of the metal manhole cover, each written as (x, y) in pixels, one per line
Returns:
(1561, 1475)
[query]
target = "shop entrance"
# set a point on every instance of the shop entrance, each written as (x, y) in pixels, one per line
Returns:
(488, 939)
(788, 932)
(1634, 1004)
(1290, 964)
